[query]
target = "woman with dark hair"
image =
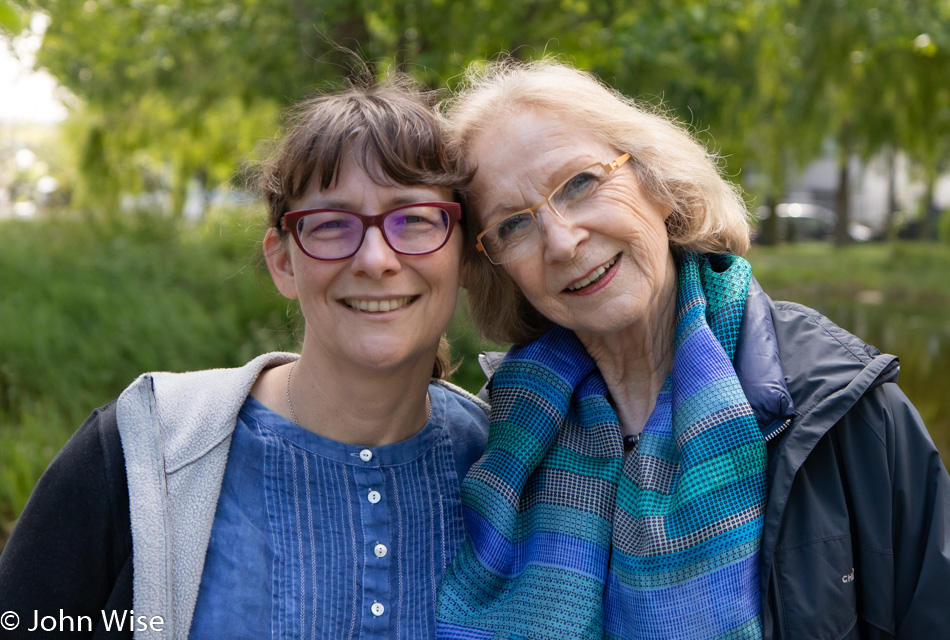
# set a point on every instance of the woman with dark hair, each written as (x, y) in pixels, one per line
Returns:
(672, 454)
(313, 496)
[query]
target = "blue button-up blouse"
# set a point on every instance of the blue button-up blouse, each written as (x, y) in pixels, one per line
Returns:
(314, 538)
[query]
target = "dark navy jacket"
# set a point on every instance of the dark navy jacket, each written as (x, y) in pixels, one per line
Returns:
(856, 541)
(857, 527)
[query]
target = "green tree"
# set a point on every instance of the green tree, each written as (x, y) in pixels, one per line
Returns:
(925, 132)
(857, 71)
(185, 88)
(11, 19)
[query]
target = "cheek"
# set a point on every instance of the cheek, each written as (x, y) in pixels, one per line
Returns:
(634, 221)
(313, 278)
(451, 258)
(442, 276)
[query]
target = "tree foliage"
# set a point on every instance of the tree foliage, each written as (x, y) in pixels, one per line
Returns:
(186, 88)
(11, 19)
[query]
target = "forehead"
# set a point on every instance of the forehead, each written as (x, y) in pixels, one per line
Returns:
(523, 155)
(361, 181)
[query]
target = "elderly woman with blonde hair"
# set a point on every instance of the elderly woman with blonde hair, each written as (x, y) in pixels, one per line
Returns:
(671, 453)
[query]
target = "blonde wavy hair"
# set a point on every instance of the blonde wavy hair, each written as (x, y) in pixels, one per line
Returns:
(675, 171)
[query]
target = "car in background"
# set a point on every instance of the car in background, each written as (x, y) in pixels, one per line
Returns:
(806, 221)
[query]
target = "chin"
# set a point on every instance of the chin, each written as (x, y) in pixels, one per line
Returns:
(383, 355)
(381, 361)
(607, 321)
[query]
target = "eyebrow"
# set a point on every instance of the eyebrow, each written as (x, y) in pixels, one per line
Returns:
(395, 202)
(502, 211)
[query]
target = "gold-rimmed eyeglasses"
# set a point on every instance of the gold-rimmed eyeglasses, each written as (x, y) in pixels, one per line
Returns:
(514, 235)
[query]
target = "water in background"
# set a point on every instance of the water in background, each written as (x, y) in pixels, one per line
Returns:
(922, 343)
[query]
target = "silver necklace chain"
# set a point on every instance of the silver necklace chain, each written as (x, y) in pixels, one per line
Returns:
(290, 404)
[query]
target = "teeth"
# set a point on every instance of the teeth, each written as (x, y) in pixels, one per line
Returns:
(596, 275)
(377, 306)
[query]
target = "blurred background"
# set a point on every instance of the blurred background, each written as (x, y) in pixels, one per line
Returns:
(128, 241)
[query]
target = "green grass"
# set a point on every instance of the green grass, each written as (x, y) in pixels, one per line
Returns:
(909, 275)
(86, 309)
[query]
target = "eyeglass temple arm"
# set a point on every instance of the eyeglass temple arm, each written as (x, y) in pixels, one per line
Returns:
(619, 161)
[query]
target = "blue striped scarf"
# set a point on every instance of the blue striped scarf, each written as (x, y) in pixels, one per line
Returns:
(568, 538)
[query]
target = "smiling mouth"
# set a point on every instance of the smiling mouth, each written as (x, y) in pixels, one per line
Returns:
(595, 276)
(378, 306)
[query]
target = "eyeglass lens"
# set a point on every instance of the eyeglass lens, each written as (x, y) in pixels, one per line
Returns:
(331, 235)
(510, 237)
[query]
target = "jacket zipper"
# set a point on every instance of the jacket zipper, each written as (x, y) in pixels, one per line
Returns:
(774, 433)
(773, 607)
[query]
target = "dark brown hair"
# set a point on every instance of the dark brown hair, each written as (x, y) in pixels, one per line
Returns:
(390, 123)
(393, 131)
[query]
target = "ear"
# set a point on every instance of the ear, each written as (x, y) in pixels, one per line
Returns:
(277, 254)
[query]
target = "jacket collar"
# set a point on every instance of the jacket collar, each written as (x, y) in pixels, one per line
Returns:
(174, 429)
(759, 367)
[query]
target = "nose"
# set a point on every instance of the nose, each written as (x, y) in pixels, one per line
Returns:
(375, 258)
(561, 235)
